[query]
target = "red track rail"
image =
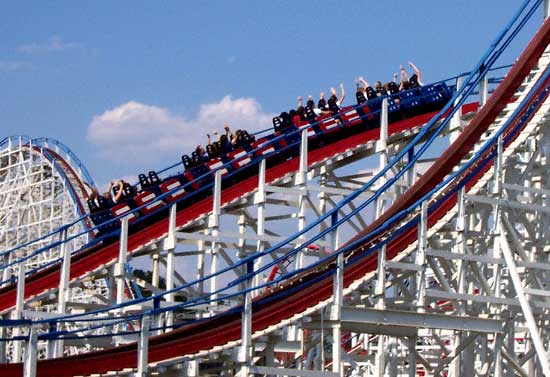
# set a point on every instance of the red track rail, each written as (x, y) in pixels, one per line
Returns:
(286, 302)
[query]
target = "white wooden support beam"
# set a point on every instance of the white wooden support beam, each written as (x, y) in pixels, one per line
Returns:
(411, 173)
(322, 194)
(18, 314)
(382, 144)
(31, 353)
(456, 120)
(245, 352)
(169, 246)
(382, 149)
(64, 292)
(300, 178)
(459, 248)
(143, 347)
(524, 303)
(259, 200)
(155, 278)
(190, 368)
(411, 357)
(381, 279)
(300, 181)
(271, 371)
(2, 342)
(421, 257)
(483, 90)
(213, 220)
(338, 299)
(65, 274)
(200, 264)
(213, 224)
(380, 357)
(120, 267)
(497, 174)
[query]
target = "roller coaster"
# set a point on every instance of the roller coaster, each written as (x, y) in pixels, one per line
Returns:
(404, 236)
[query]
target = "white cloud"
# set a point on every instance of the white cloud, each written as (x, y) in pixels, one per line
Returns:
(231, 59)
(135, 133)
(53, 44)
(12, 66)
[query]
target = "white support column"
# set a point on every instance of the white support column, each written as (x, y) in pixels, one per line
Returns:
(336, 310)
(241, 244)
(382, 149)
(380, 289)
(411, 357)
(191, 368)
(546, 9)
(411, 173)
(18, 314)
(496, 190)
(2, 342)
(259, 200)
(155, 278)
(497, 175)
(120, 267)
(483, 90)
(213, 224)
(63, 295)
(382, 144)
(456, 121)
(322, 195)
(31, 352)
(169, 246)
(421, 257)
(245, 352)
(460, 248)
(526, 309)
(200, 264)
(300, 181)
(143, 347)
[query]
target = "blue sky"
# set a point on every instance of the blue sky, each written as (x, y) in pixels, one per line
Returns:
(129, 86)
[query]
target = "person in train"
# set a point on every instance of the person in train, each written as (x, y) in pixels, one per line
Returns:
(201, 152)
(213, 148)
(225, 141)
(300, 110)
(370, 93)
(392, 87)
(109, 197)
(414, 81)
(360, 95)
(334, 103)
(322, 103)
(379, 89)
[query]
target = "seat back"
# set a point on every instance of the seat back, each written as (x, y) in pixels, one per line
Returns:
(144, 181)
(154, 178)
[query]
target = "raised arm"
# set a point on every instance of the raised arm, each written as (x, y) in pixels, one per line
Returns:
(93, 192)
(342, 93)
(404, 78)
(364, 82)
(120, 192)
(300, 102)
(416, 70)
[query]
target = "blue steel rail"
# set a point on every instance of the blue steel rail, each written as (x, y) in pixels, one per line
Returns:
(472, 169)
